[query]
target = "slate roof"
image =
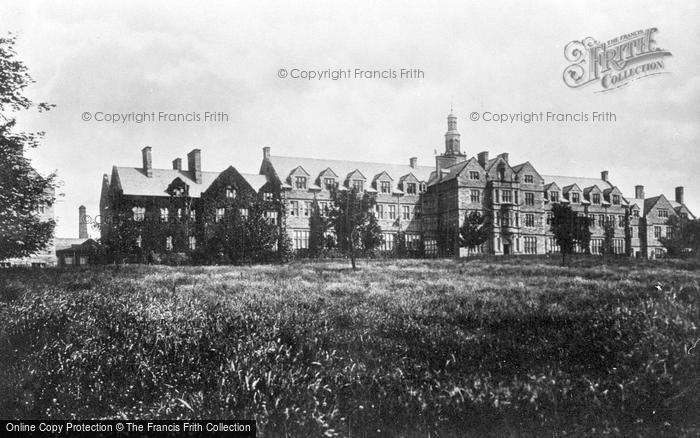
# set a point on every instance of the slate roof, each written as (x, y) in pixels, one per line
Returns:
(315, 166)
(583, 183)
(133, 181)
(65, 243)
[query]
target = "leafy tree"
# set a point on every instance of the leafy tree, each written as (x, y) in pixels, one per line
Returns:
(318, 226)
(400, 244)
(260, 235)
(684, 237)
(354, 222)
(473, 231)
(569, 229)
(608, 237)
(22, 189)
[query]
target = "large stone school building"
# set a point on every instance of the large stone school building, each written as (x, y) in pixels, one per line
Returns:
(425, 205)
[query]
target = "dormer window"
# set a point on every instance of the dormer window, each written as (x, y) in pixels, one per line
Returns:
(358, 184)
(385, 186)
(423, 187)
(635, 213)
(595, 198)
(616, 199)
(575, 197)
(553, 195)
(329, 183)
(230, 192)
(300, 182)
(411, 188)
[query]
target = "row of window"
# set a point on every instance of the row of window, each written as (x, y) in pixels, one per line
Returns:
(301, 183)
(191, 242)
(658, 232)
(412, 241)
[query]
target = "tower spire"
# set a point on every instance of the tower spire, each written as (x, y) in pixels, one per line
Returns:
(452, 135)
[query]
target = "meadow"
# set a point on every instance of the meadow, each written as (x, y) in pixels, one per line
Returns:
(439, 348)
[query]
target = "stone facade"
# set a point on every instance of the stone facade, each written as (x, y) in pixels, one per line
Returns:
(425, 203)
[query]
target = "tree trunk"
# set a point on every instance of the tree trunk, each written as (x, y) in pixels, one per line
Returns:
(352, 256)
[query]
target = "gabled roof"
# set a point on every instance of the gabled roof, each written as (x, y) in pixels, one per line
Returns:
(133, 181)
(588, 190)
(565, 181)
(314, 166)
(570, 187)
(65, 243)
(551, 186)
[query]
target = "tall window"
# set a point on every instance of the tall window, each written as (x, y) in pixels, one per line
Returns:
(554, 196)
(530, 243)
(657, 232)
(417, 211)
(663, 213)
(621, 221)
(575, 197)
(529, 179)
(307, 208)
(550, 217)
(529, 220)
(411, 188)
(392, 212)
(294, 208)
(193, 215)
(635, 213)
(358, 185)
(300, 182)
(192, 242)
(230, 192)
(329, 183)
(380, 211)
(243, 212)
(169, 243)
(406, 212)
(595, 198)
(301, 239)
(271, 217)
(507, 196)
(616, 199)
(220, 212)
(385, 186)
(139, 213)
(476, 196)
(529, 198)
(601, 220)
(388, 241)
(596, 246)
(164, 214)
(473, 174)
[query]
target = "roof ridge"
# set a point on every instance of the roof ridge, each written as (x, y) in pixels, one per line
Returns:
(345, 161)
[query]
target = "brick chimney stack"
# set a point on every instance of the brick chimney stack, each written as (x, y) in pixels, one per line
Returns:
(679, 195)
(177, 164)
(504, 155)
(413, 162)
(266, 152)
(483, 158)
(147, 161)
(604, 175)
(639, 192)
(82, 223)
(194, 165)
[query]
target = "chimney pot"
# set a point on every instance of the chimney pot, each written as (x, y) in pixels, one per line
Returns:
(147, 161)
(266, 152)
(679, 195)
(177, 164)
(194, 165)
(639, 192)
(413, 162)
(604, 175)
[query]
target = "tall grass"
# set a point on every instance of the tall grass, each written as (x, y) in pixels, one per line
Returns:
(399, 348)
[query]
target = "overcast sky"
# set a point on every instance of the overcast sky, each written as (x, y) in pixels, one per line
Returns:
(179, 57)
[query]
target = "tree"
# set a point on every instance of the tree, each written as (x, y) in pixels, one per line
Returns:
(473, 231)
(683, 238)
(608, 237)
(354, 222)
(318, 226)
(569, 230)
(22, 190)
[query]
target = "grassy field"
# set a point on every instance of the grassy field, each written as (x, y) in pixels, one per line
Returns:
(486, 347)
